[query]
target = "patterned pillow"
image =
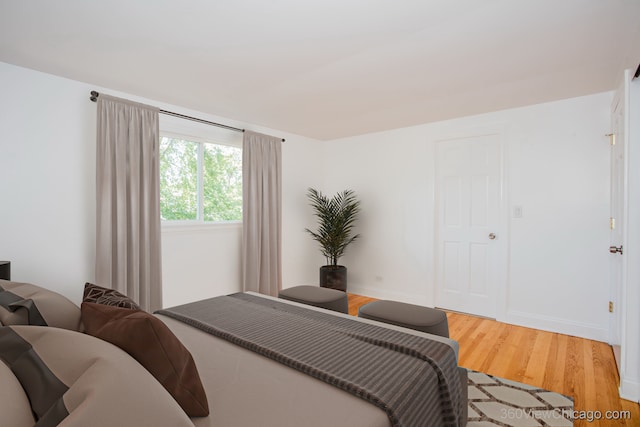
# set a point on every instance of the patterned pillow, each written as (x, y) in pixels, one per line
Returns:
(99, 295)
(27, 304)
(148, 340)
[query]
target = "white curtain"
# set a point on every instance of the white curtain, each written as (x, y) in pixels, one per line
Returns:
(261, 213)
(128, 201)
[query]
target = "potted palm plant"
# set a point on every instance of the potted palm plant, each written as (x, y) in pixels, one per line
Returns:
(336, 218)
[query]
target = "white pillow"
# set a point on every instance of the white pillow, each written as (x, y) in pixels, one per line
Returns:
(27, 304)
(15, 409)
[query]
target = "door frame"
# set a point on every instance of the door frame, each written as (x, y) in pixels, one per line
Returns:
(503, 227)
(617, 290)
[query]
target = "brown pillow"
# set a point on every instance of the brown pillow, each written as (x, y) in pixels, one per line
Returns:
(148, 340)
(106, 296)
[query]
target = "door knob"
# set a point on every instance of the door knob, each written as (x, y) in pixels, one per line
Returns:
(615, 249)
(492, 236)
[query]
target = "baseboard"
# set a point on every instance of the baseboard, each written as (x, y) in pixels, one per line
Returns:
(529, 320)
(390, 295)
(630, 390)
(555, 324)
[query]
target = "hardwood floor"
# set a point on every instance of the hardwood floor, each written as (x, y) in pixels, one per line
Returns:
(576, 367)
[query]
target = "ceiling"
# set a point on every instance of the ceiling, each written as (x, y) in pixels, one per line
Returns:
(328, 69)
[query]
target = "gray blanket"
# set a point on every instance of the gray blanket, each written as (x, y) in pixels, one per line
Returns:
(413, 379)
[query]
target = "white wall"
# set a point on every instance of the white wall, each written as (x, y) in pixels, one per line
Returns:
(47, 208)
(302, 165)
(47, 175)
(557, 169)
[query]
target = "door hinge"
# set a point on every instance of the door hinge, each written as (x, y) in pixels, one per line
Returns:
(610, 306)
(612, 138)
(612, 223)
(616, 249)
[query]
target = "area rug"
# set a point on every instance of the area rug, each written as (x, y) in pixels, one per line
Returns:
(495, 401)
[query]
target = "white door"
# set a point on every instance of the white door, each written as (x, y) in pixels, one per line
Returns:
(616, 258)
(468, 200)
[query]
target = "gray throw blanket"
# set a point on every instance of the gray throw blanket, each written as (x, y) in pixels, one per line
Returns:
(413, 379)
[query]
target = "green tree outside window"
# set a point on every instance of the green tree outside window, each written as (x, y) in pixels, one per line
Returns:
(200, 181)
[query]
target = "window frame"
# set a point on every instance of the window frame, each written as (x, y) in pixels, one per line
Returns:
(199, 222)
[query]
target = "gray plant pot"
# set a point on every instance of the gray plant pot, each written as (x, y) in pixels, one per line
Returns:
(334, 277)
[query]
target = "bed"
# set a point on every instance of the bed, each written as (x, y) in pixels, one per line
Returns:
(242, 388)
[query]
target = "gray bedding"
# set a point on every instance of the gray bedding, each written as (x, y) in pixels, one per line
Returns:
(247, 389)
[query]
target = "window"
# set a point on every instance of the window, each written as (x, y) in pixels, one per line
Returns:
(199, 181)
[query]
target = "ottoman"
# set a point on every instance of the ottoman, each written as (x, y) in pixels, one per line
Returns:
(330, 299)
(425, 319)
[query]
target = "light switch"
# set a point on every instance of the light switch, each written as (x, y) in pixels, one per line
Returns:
(517, 211)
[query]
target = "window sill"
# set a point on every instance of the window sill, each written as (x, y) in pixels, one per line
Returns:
(181, 226)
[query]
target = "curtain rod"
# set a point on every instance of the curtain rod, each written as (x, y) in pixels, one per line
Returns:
(94, 97)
